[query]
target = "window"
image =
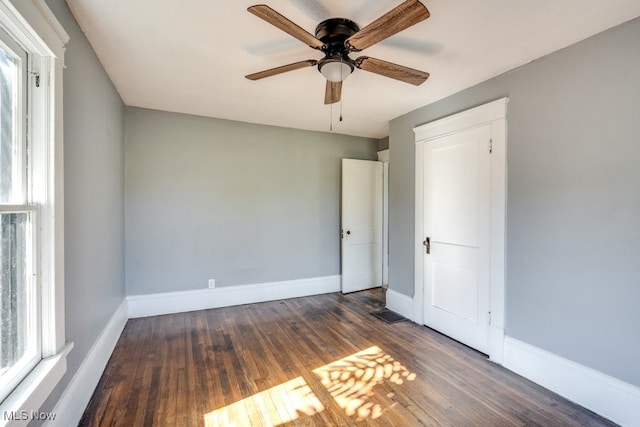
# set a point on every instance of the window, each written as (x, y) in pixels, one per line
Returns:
(19, 310)
(32, 343)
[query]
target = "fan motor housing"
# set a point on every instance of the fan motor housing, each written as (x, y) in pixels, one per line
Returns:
(333, 32)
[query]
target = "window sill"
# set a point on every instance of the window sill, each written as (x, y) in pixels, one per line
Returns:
(22, 405)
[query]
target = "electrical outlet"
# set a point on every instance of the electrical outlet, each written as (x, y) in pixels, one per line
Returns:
(212, 283)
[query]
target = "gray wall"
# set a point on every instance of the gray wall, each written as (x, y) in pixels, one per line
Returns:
(94, 196)
(383, 143)
(241, 203)
(573, 209)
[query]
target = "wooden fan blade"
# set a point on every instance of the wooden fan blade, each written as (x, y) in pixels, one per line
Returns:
(333, 92)
(282, 69)
(402, 17)
(274, 18)
(389, 69)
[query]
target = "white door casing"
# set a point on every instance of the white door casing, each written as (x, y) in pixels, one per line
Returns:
(493, 115)
(383, 156)
(457, 226)
(361, 225)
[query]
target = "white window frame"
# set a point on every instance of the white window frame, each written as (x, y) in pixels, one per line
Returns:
(33, 25)
(20, 180)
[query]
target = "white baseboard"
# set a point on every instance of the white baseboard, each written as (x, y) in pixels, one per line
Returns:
(400, 303)
(496, 344)
(607, 396)
(75, 398)
(202, 299)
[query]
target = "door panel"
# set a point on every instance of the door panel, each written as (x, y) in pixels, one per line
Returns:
(455, 193)
(361, 225)
(457, 268)
(457, 221)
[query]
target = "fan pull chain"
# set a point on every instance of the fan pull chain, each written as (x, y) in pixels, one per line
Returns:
(341, 80)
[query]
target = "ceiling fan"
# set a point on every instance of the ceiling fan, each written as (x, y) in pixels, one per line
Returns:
(337, 37)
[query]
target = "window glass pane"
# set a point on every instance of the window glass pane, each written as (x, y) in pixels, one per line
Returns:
(18, 333)
(10, 164)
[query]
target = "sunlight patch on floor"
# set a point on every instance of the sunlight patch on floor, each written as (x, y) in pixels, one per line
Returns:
(277, 405)
(351, 382)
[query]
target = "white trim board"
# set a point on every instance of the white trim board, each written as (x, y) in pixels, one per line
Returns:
(486, 113)
(607, 396)
(202, 299)
(383, 156)
(75, 398)
(400, 303)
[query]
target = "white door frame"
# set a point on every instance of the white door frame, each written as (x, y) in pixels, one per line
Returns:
(493, 113)
(383, 156)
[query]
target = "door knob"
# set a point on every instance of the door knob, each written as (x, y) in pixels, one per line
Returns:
(348, 232)
(427, 244)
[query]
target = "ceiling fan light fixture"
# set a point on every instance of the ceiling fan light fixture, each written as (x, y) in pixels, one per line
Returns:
(336, 38)
(335, 70)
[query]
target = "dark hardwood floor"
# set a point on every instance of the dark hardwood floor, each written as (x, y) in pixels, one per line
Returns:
(321, 360)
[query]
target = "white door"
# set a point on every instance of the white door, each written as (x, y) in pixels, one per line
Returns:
(361, 225)
(457, 207)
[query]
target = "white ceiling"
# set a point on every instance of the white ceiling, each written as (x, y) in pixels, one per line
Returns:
(191, 56)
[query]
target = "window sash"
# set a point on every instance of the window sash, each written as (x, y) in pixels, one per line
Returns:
(25, 296)
(17, 126)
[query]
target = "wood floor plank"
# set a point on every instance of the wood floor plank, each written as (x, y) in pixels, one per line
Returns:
(313, 361)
